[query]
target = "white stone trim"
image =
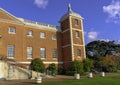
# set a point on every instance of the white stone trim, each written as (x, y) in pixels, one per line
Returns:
(22, 21)
(53, 62)
(71, 36)
(43, 62)
(77, 45)
(66, 46)
(10, 21)
(29, 58)
(83, 39)
(65, 30)
(76, 29)
(9, 14)
(33, 27)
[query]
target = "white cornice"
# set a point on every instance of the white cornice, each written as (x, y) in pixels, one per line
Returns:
(43, 62)
(27, 23)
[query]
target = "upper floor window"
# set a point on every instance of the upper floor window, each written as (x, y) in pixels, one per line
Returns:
(77, 34)
(42, 53)
(42, 35)
(29, 33)
(29, 52)
(53, 36)
(76, 22)
(54, 53)
(78, 52)
(12, 30)
(11, 51)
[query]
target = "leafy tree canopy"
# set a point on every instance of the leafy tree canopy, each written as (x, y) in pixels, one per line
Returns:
(97, 49)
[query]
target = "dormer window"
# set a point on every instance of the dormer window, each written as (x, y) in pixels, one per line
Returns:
(12, 30)
(76, 22)
(29, 33)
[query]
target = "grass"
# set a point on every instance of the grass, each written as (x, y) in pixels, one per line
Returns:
(109, 80)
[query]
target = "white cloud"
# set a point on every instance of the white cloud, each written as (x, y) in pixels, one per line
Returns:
(41, 3)
(106, 40)
(113, 11)
(92, 35)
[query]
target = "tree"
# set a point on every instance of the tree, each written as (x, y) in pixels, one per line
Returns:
(37, 65)
(97, 49)
(108, 64)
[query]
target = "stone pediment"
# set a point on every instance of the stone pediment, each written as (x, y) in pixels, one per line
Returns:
(4, 15)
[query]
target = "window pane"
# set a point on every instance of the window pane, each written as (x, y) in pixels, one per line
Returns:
(12, 30)
(54, 37)
(29, 33)
(79, 52)
(42, 35)
(43, 52)
(29, 52)
(54, 53)
(76, 22)
(10, 51)
(77, 34)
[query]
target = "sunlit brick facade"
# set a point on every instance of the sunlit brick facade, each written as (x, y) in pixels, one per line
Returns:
(23, 40)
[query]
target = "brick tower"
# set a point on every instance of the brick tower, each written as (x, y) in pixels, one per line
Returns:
(73, 47)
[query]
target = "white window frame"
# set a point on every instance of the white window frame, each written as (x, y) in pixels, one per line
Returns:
(78, 52)
(29, 53)
(76, 22)
(30, 33)
(54, 37)
(11, 51)
(77, 34)
(42, 53)
(12, 30)
(42, 35)
(54, 53)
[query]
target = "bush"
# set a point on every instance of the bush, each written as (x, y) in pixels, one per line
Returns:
(52, 68)
(37, 65)
(108, 64)
(87, 65)
(116, 59)
(77, 67)
(61, 70)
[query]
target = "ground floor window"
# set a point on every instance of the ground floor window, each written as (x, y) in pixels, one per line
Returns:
(42, 53)
(29, 52)
(11, 50)
(54, 53)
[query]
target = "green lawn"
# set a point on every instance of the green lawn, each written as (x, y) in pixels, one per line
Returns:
(111, 80)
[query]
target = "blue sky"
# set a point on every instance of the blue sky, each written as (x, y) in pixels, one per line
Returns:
(101, 17)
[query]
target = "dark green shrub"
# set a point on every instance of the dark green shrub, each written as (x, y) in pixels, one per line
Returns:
(52, 68)
(87, 65)
(37, 65)
(77, 67)
(61, 70)
(70, 73)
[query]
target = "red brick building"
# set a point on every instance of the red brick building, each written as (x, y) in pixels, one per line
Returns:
(23, 40)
